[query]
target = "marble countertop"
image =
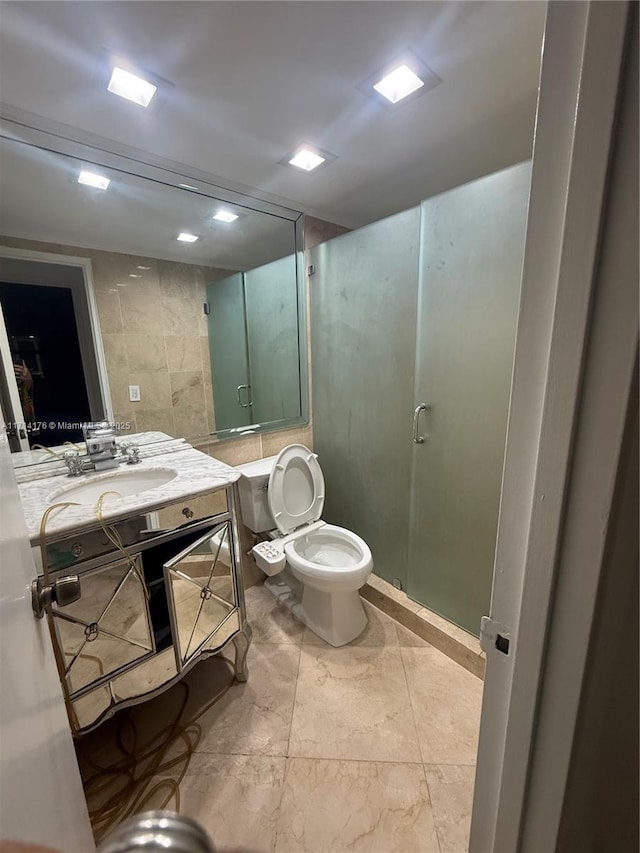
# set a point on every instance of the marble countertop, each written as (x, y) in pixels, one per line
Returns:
(196, 474)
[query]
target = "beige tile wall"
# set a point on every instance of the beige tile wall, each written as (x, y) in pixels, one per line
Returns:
(154, 333)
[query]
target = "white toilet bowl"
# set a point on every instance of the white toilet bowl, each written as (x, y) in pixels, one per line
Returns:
(332, 564)
(329, 563)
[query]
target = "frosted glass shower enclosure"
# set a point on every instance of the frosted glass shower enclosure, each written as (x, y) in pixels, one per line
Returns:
(254, 346)
(413, 330)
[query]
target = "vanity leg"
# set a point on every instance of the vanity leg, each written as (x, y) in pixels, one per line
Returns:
(241, 642)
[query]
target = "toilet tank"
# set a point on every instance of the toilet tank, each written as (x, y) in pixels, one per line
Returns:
(252, 488)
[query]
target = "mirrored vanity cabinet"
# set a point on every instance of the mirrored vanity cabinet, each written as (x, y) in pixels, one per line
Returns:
(160, 585)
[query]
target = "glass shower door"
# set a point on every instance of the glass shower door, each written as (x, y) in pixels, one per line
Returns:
(472, 242)
(363, 310)
(228, 352)
(272, 329)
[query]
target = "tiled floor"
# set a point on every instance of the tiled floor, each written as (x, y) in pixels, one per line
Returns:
(368, 747)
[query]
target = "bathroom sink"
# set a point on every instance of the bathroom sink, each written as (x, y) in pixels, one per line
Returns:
(120, 484)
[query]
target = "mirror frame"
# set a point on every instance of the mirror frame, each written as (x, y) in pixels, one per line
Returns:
(26, 128)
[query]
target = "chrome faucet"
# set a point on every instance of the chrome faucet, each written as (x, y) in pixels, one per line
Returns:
(102, 449)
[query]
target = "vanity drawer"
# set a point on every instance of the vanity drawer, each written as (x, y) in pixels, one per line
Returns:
(138, 531)
(193, 509)
(95, 543)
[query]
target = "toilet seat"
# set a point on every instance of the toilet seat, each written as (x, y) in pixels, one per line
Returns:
(322, 552)
(296, 488)
(330, 553)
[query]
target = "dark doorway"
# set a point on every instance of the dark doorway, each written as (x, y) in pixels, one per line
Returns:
(42, 332)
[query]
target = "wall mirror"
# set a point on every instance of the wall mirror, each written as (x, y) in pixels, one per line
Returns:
(103, 303)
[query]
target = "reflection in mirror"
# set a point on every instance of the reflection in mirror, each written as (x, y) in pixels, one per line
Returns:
(143, 678)
(129, 306)
(253, 339)
(202, 594)
(107, 628)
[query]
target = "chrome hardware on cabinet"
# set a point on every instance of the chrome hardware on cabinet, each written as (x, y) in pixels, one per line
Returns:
(63, 591)
(421, 407)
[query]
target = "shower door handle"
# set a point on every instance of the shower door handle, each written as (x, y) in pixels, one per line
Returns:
(421, 407)
(248, 397)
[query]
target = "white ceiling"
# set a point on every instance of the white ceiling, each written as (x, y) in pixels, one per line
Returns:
(41, 199)
(250, 80)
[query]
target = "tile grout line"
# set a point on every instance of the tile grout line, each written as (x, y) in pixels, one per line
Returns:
(319, 758)
(295, 696)
(415, 725)
(286, 757)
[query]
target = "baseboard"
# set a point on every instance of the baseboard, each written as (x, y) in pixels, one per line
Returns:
(448, 638)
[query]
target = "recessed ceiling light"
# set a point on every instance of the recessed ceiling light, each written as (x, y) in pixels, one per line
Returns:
(399, 83)
(140, 267)
(401, 79)
(93, 179)
(121, 284)
(185, 237)
(131, 87)
(225, 216)
(306, 159)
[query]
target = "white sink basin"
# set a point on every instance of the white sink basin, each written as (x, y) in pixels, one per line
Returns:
(120, 484)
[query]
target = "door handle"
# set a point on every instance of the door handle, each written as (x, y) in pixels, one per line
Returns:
(421, 407)
(63, 591)
(240, 403)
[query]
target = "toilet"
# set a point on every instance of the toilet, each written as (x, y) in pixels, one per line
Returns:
(313, 568)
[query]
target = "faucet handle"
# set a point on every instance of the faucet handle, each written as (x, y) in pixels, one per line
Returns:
(73, 461)
(131, 452)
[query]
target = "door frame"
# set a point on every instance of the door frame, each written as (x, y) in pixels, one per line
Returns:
(89, 339)
(583, 54)
(11, 406)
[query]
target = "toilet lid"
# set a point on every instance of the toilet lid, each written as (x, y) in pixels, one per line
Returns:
(296, 488)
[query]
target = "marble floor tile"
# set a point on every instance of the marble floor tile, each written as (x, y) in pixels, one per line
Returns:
(254, 717)
(353, 703)
(371, 746)
(355, 805)
(270, 621)
(235, 798)
(380, 631)
(446, 700)
(451, 792)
